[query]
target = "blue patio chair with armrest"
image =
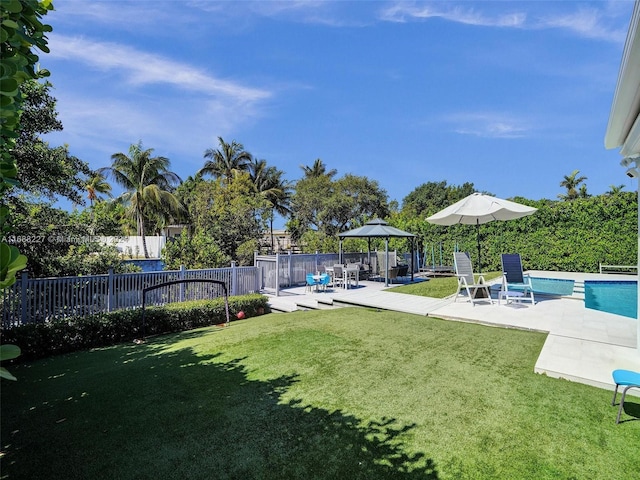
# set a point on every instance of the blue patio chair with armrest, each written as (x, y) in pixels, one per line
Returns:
(627, 379)
(467, 280)
(513, 276)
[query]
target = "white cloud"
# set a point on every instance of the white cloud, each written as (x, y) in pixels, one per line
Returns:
(109, 124)
(488, 125)
(604, 23)
(588, 23)
(134, 15)
(400, 12)
(142, 68)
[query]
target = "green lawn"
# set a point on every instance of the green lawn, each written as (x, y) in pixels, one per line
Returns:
(439, 287)
(341, 394)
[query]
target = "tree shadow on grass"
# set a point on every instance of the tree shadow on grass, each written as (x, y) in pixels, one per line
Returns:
(140, 412)
(630, 411)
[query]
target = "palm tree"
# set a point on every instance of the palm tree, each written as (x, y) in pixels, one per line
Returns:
(572, 184)
(318, 169)
(615, 189)
(148, 183)
(97, 185)
(582, 191)
(226, 161)
(276, 191)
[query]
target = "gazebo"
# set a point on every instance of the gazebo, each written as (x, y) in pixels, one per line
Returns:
(378, 228)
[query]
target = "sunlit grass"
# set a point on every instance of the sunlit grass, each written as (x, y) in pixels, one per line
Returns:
(438, 287)
(341, 394)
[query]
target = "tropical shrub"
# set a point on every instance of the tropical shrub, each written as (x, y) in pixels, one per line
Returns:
(38, 340)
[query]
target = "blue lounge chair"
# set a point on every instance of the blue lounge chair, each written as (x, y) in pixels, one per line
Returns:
(627, 379)
(514, 278)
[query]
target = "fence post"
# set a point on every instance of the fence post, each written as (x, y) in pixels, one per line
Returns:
(234, 278)
(110, 291)
(23, 297)
(277, 274)
(181, 277)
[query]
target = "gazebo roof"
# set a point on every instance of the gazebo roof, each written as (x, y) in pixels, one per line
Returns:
(376, 228)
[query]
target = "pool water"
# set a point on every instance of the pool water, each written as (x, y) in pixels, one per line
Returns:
(549, 286)
(619, 297)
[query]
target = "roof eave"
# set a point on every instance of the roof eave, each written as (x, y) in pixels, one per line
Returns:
(623, 127)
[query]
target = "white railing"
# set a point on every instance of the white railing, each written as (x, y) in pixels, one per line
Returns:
(36, 300)
(628, 269)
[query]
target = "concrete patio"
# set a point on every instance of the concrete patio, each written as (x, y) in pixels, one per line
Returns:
(583, 345)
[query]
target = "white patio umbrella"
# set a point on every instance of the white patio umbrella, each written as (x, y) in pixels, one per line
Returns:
(477, 209)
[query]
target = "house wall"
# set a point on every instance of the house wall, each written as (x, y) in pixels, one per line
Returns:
(132, 246)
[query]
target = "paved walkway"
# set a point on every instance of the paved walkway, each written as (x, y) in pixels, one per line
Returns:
(583, 345)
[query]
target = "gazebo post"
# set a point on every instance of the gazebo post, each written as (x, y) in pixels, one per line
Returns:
(413, 252)
(386, 261)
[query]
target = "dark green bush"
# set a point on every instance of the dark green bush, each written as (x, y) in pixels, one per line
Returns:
(570, 236)
(38, 340)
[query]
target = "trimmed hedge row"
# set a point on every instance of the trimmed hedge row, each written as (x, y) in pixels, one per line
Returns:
(39, 340)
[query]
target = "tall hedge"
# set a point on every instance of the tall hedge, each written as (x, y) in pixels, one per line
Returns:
(572, 236)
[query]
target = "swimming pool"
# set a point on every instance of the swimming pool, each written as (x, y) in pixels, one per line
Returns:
(619, 297)
(549, 286)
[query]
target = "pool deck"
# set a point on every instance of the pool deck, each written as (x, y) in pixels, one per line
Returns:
(582, 345)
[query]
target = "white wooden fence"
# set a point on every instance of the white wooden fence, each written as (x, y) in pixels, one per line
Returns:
(33, 300)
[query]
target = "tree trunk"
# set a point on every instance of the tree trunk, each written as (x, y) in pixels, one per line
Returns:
(92, 227)
(142, 233)
(271, 225)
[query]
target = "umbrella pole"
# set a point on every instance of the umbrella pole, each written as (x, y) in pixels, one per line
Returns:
(478, 237)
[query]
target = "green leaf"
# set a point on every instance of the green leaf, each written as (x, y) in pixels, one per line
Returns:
(11, 261)
(9, 352)
(4, 373)
(10, 23)
(4, 35)
(8, 169)
(13, 6)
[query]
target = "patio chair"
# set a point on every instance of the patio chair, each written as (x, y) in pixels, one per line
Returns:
(352, 274)
(311, 282)
(392, 274)
(627, 379)
(325, 279)
(403, 270)
(338, 276)
(513, 276)
(466, 280)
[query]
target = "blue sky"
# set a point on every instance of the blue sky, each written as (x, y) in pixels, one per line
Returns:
(511, 96)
